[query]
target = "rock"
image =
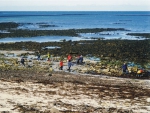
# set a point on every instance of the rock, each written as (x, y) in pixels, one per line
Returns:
(54, 110)
(148, 99)
(48, 74)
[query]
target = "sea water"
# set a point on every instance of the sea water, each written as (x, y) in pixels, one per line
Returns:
(132, 21)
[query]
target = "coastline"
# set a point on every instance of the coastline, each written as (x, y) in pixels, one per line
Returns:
(32, 89)
(93, 87)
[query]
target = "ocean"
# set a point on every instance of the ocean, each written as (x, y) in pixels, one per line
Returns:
(132, 21)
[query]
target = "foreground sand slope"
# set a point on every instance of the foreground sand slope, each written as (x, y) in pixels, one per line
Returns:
(68, 93)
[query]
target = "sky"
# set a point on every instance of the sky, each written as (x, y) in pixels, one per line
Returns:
(74, 5)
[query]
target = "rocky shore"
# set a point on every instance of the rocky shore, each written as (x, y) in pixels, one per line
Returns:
(32, 89)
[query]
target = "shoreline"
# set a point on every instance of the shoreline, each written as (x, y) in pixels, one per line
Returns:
(90, 65)
(112, 50)
(97, 85)
(33, 89)
(12, 30)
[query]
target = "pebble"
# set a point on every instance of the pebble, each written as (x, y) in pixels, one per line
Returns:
(148, 99)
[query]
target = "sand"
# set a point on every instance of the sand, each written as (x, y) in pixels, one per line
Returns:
(71, 92)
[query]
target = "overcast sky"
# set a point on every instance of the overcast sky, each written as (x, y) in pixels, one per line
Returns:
(74, 5)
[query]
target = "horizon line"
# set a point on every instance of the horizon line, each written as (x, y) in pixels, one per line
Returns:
(75, 10)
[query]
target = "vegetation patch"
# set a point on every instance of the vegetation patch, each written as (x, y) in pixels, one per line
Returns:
(124, 50)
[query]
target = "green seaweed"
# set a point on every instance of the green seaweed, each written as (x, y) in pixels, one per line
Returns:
(124, 50)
